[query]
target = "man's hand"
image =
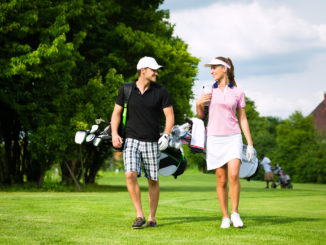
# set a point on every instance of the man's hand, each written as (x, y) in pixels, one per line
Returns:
(163, 142)
(250, 153)
(116, 141)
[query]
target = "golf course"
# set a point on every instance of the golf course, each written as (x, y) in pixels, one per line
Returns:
(188, 213)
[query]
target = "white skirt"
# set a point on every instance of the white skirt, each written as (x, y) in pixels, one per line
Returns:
(222, 149)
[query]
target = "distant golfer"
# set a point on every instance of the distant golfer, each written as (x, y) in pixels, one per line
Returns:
(266, 162)
(143, 142)
(224, 141)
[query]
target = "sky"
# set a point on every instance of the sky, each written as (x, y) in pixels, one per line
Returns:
(278, 48)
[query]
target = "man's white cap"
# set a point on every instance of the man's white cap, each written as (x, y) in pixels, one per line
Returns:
(148, 62)
(217, 62)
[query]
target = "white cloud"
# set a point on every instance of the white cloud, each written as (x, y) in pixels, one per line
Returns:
(281, 95)
(277, 48)
(246, 31)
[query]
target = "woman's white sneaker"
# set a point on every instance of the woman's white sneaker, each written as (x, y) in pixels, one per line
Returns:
(225, 223)
(236, 220)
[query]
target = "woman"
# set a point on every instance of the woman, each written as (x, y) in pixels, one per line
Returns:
(224, 140)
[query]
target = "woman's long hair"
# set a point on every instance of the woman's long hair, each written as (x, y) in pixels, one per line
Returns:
(230, 70)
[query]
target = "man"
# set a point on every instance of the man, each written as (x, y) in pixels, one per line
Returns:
(266, 162)
(143, 142)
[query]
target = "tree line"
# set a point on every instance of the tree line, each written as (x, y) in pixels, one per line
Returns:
(61, 65)
(293, 143)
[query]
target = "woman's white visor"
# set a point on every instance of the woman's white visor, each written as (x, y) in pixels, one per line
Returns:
(217, 62)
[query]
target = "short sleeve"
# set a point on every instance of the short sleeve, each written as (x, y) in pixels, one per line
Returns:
(166, 99)
(119, 100)
(241, 101)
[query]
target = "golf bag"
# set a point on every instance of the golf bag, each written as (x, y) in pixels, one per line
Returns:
(172, 160)
(248, 170)
(94, 135)
(283, 178)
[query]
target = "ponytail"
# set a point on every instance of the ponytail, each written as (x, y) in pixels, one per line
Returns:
(230, 72)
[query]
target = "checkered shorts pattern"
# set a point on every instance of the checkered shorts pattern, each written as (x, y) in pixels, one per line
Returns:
(135, 152)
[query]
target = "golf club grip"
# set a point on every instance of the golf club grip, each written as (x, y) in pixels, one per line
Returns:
(188, 121)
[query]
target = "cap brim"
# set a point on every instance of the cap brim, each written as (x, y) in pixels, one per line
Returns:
(156, 67)
(151, 67)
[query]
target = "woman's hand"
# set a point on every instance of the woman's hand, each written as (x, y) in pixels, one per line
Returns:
(250, 154)
(204, 99)
(200, 103)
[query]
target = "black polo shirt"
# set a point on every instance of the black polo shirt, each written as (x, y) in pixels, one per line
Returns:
(144, 111)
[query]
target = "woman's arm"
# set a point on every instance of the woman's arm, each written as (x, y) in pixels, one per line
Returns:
(200, 105)
(244, 125)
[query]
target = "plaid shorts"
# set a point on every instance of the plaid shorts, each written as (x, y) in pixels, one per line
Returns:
(135, 152)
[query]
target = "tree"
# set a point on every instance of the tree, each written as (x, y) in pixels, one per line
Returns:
(300, 151)
(36, 63)
(62, 63)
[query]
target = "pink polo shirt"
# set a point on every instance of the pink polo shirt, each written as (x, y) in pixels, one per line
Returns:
(222, 119)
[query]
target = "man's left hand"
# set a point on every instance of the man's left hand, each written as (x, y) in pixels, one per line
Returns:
(163, 142)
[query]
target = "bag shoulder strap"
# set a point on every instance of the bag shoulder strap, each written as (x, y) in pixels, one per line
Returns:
(127, 88)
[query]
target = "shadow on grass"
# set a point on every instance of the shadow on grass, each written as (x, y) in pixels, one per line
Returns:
(252, 221)
(122, 188)
(262, 189)
(119, 188)
(188, 219)
(188, 188)
(66, 188)
(270, 220)
(184, 188)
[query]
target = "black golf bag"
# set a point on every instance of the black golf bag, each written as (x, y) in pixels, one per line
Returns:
(172, 162)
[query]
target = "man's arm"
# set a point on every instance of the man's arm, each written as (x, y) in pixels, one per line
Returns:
(115, 121)
(169, 119)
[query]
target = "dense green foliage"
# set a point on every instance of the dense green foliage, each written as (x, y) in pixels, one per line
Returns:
(188, 213)
(61, 64)
(293, 143)
(300, 150)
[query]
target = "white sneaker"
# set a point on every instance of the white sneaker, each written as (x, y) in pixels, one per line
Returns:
(225, 223)
(236, 220)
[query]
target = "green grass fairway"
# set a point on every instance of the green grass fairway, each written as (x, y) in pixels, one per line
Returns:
(188, 213)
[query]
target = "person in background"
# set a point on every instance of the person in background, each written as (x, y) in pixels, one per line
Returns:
(267, 164)
(143, 142)
(224, 140)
